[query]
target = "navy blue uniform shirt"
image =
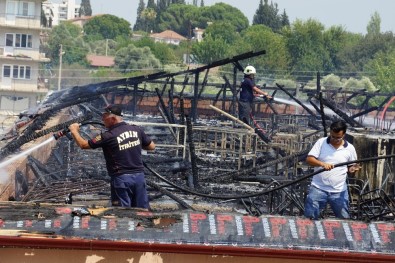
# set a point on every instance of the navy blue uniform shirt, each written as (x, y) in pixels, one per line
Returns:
(246, 93)
(122, 145)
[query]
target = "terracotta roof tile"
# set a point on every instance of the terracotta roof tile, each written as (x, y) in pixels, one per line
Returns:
(100, 61)
(168, 34)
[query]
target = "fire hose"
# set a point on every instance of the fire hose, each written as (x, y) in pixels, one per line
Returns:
(225, 197)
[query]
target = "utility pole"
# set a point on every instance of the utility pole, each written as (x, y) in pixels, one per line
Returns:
(106, 46)
(60, 65)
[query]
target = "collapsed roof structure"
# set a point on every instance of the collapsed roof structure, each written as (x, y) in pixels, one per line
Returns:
(216, 186)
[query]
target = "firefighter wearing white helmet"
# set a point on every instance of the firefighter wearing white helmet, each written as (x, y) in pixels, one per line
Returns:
(249, 70)
(247, 93)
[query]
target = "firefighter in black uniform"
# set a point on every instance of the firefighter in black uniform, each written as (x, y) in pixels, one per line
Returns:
(121, 144)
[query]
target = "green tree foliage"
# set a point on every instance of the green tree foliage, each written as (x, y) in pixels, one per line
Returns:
(181, 2)
(260, 37)
(132, 58)
(162, 5)
(146, 17)
(179, 18)
(335, 40)
(85, 8)
(139, 25)
(161, 51)
(151, 4)
(217, 43)
(268, 15)
(305, 42)
(222, 12)
(357, 55)
(183, 18)
(149, 17)
(360, 50)
(284, 19)
(103, 47)
(106, 27)
(211, 49)
(374, 26)
(224, 30)
(70, 37)
(383, 68)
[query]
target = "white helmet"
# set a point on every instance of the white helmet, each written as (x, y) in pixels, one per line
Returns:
(249, 70)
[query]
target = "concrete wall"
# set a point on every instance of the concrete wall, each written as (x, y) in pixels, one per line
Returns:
(102, 256)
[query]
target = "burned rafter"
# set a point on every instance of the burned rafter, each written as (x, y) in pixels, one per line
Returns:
(295, 99)
(343, 115)
(361, 113)
(21, 140)
(21, 185)
(42, 167)
(227, 84)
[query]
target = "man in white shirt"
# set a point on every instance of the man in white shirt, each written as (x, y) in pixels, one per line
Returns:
(330, 186)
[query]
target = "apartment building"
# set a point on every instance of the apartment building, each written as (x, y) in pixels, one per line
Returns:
(58, 12)
(20, 57)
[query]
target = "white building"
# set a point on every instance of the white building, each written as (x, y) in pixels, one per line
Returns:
(168, 37)
(57, 12)
(20, 57)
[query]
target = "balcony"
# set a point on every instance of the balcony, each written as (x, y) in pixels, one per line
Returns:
(23, 85)
(20, 21)
(22, 54)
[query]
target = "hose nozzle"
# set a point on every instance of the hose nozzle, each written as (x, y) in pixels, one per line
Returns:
(65, 132)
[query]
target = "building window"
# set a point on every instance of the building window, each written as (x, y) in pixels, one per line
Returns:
(20, 8)
(6, 71)
(19, 40)
(9, 40)
(18, 72)
(25, 8)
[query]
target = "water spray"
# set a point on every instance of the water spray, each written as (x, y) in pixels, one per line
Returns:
(12, 159)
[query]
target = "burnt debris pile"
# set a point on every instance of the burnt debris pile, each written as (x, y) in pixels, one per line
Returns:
(205, 160)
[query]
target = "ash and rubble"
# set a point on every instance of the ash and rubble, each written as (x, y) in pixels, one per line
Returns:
(76, 176)
(204, 164)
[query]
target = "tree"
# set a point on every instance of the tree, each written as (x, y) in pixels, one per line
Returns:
(70, 37)
(107, 27)
(181, 2)
(149, 16)
(373, 27)
(356, 56)
(218, 41)
(268, 16)
(161, 6)
(260, 37)
(85, 8)
(335, 40)
(104, 47)
(383, 68)
(161, 51)
(151, 4)
(179, 18)
(183, 18)
(284, 19)
(306, 44)
(139, 25)
(210, 49)
(132, 58)
(224, 30)
(222, 12)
